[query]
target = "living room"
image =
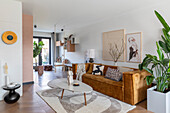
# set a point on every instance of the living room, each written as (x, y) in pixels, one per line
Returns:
(95, 56)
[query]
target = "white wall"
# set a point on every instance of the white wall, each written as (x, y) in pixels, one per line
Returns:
(11, 20)
(139, 20)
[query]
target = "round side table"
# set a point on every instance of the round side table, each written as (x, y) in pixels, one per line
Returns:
(12, 96)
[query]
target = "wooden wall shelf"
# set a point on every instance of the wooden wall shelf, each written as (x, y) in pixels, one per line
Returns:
(70, 47)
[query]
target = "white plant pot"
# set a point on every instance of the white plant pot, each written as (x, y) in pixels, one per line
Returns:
(158, 102)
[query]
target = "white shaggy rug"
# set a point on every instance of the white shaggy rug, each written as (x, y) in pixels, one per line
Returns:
(74, 102)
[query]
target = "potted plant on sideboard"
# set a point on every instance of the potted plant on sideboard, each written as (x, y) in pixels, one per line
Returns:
(158, 97)
(36, 51)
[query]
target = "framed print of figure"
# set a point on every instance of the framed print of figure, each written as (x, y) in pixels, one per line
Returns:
(134, 47)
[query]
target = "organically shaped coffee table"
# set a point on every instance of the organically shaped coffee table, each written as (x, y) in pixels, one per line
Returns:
(62, 83)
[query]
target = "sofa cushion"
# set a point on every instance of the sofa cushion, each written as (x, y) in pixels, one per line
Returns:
(98, 69)
(90, 67)
(103, 80)
(113, 74)
(108, 66)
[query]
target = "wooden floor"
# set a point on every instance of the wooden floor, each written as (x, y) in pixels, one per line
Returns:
(30, 102)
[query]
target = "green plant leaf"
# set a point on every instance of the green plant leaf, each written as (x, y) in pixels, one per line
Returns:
(140, 67)
(166, 35)
(159, 51)
(165, 62)
(148, 70)
(163, 38)
(146, 62)
(163, 86)
(153, 66)
(164, 47)
(149, 79)
(168, 45)
(166, 26)
(169, 68)
(152, 57)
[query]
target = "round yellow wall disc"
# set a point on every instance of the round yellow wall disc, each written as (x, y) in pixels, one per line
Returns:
(9, 37)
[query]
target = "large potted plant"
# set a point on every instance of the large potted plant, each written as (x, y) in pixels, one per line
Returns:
(36, 51)
(158, 97)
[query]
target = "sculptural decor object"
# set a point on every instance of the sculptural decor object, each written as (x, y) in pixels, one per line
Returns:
(6, 68)
(9, 37)
(12, 96)
(70, 77)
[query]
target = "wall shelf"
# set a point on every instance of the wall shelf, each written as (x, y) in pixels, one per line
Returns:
(70, 47)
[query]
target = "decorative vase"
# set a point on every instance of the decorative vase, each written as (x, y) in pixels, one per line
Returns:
(115, 63)
(70, 77)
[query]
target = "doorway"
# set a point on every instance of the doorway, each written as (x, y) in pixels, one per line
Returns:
(44, 58)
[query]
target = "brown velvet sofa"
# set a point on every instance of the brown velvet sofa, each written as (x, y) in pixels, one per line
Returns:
(132, 89)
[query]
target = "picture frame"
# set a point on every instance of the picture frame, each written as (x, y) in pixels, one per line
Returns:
(134, 47)
(112, 37)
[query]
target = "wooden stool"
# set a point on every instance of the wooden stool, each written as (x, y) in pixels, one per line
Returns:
(40, 70)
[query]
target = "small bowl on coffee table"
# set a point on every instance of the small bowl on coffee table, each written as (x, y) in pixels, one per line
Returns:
(76, 84)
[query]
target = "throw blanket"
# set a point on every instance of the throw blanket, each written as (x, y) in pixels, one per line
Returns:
(80, 71)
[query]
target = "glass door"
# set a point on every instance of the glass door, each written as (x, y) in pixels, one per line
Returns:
(45, 52)
(45, 56)
(35, 60)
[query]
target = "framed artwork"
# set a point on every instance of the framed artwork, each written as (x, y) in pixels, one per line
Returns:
(111, 38)
(134, 47)
(9, 37)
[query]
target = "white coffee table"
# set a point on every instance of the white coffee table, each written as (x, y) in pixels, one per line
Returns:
(62, 83)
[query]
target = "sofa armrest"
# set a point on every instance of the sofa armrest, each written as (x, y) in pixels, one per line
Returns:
(135, 87)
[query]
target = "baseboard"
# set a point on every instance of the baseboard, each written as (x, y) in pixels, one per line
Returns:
(32, 82)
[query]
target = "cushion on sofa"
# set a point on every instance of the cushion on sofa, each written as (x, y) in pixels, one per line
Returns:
(108, 66)
(98, 69)
(90, 67)
(113, 74)
(103, 80)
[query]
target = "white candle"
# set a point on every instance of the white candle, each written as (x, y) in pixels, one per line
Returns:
(6, 80)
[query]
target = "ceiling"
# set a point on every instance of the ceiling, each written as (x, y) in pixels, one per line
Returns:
(74, 14)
